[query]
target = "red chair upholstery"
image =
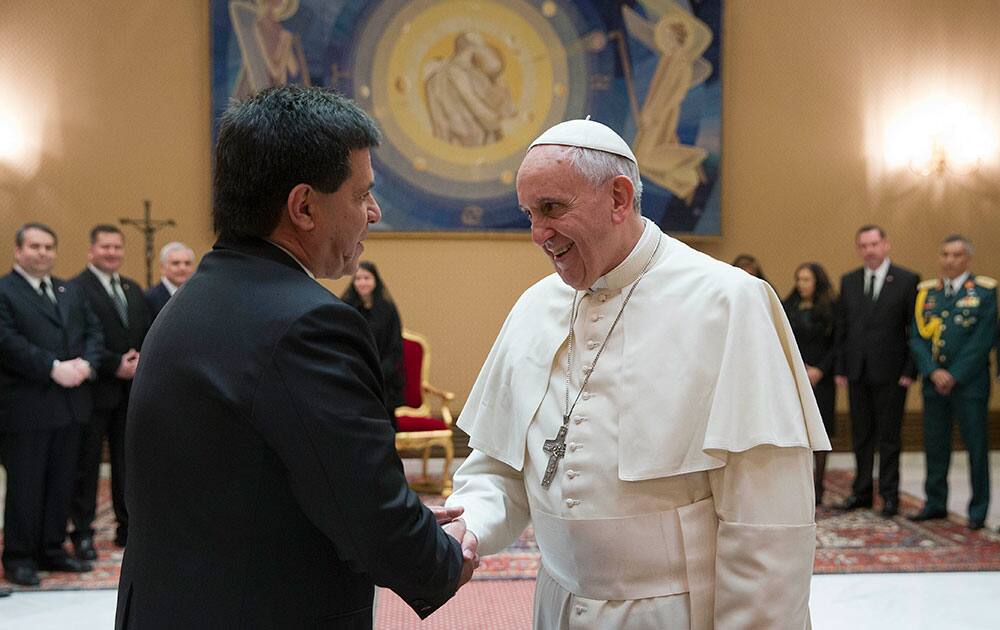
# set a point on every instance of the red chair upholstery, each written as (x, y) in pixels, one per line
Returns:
(419, 428)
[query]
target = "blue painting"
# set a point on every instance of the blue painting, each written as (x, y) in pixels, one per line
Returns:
(461, 87)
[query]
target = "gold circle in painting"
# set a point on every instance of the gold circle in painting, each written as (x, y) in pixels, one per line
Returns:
(502, 61)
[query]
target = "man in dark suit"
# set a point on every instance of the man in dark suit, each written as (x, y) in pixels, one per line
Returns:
(121, 308)
(176, 266)
(874, 362)
(265, 489)
(49, 339)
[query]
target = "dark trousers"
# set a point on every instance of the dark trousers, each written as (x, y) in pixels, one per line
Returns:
(876, 419)
(110, 423)
(40, 468)
(970, 408)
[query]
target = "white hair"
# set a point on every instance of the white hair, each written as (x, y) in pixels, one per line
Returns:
(600, 166)
(174, 246)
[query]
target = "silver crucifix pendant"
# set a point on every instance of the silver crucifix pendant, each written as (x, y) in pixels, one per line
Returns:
(556, 450)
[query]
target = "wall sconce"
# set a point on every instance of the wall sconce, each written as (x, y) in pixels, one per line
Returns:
(939, 137)
(941, 162)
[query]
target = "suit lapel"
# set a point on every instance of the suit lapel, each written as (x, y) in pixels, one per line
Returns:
(98, 287)
(43, 304)
(59, 287)
(888, 285)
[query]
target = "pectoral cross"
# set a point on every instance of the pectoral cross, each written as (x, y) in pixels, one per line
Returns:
(556, 450)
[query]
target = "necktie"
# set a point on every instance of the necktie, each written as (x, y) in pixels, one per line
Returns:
(118, 299)
(46, 291)
(870, 286)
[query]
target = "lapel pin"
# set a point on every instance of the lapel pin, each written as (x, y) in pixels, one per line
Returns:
(61, 289)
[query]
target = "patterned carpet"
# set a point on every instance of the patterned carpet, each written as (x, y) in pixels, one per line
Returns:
(864, 542)
(853, 542)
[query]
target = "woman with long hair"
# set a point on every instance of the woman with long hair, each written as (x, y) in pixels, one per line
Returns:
(368, 294)
(811, 308)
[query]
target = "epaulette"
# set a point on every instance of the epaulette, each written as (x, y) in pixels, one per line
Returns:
(933, 283)
(986, 282)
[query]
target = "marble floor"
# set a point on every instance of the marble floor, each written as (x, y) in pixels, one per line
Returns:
(912, 601)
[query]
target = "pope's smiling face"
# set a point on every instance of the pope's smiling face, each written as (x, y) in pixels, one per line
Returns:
(572, 220)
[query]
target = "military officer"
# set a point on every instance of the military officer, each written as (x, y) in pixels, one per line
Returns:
(955, 327)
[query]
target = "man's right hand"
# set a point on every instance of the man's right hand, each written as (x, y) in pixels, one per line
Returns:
(66, 374)
(470, 556)
(943, 381)
(840, 380)
(127, 365)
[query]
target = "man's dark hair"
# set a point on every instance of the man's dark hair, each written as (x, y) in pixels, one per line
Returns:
(868, 227)
(276, 140)
(958, 238)
(19, 235)
(103, 228)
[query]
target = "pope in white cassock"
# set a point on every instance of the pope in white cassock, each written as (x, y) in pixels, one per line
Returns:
(646, 409)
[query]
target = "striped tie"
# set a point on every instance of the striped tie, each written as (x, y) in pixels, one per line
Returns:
(46, 291)
(118, 299)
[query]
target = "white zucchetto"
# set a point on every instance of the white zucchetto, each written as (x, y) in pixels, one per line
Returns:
(587, 134)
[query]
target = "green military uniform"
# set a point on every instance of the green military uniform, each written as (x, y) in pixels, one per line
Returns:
(956, 332)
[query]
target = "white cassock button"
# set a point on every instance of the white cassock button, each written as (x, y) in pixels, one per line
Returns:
(579, 419)
(571, 473)
(586, 395)
(587, 368)
(580, 609)
(603, 297)
(572, 502)
(574, 446)
(596, 318)
(592, 344)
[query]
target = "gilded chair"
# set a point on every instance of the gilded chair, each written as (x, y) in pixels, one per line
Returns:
(420, 428)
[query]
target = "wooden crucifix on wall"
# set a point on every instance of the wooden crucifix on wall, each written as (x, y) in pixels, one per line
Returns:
(149, 227)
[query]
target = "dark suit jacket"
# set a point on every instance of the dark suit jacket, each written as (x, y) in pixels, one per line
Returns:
(156, 299)
(33, 334)
(264, 485)
(874, 336)
(111, 391)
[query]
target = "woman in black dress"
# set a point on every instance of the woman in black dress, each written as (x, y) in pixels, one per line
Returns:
(811, 307)
(368, 294)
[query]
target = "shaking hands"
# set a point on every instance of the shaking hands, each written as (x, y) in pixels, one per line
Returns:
(447, 518)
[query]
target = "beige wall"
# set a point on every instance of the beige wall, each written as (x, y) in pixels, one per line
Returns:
(119, 98)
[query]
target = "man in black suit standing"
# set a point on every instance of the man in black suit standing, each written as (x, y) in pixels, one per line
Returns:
(49, 339)
(121, 308)
(265, 489)
(176, 266)
(874, 363)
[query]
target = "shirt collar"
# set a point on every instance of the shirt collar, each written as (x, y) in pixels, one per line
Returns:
(171, 287)
(293, 257)
(956, 284)
(105, 278)
(32, 280)
(630, 268)
(881, 271)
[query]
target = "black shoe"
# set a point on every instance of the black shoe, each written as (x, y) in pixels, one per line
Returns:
(890, 508)
(854, 502)
(976, 525)
(84, 548)
(928, 515)
(5, 592)
(22, 575)
(66, 564)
